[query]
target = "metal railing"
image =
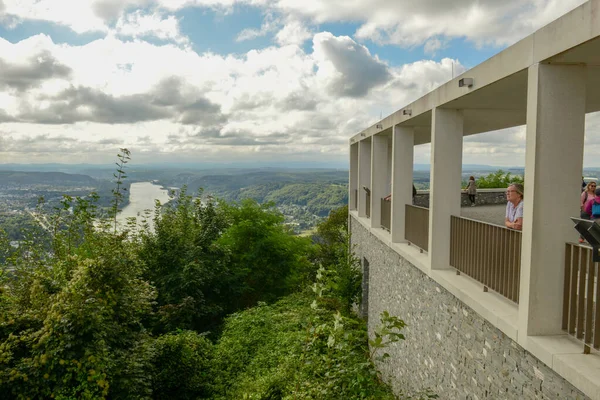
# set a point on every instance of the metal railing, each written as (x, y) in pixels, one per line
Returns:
(416, 228)
(490, 254)
(386, 214)
(355, 199)
(368, 200)
(581, 315)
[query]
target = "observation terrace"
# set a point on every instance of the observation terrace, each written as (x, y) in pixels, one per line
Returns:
(491, 312)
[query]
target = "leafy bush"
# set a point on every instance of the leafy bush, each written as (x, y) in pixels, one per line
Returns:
(72, 318)
(295, 350)
(498, 179)
(190, 271)
(333, 254)
(267, 259)
(181, 364)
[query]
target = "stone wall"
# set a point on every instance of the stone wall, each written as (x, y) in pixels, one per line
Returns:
(448, 348)
(484, 196)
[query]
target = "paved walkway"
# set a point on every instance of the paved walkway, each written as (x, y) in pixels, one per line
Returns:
(493, 214)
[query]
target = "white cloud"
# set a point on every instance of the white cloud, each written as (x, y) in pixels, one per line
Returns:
(400, 22)
(293, 32)
(137, 25)
(433, 45)
(79, 103)
(267, 103)
(269, 25)
(408, 23)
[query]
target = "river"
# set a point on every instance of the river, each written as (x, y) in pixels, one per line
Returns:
(141, 198)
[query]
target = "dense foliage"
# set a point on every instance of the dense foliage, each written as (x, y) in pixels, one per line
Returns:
(88, 311)
(291, 350)
(498, 179)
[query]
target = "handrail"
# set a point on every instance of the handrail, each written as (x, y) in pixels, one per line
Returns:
(488, 253)
(581, 296)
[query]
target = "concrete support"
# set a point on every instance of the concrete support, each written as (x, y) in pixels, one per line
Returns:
(446, 168)
(379, 176)
(364, 174)
(553, 164)
(403, 141)
(352, 188)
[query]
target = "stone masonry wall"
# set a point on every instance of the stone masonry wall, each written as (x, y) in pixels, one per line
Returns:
(483, 197)
(448, 348)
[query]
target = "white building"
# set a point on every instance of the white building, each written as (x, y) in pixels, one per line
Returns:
(543, 286)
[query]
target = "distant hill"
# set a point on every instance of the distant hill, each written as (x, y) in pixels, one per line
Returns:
(268, 180)
(47, 178)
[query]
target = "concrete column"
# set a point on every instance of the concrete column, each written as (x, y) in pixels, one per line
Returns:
(379, 177)
(353, 186)
(553, 165)
(364, 174)
(446, 168)
(403, 142)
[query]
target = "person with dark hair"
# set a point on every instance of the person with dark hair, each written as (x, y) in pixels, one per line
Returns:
(514, 207)
(471, 190)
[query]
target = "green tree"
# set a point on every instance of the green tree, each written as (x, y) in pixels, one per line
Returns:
(498, 179)
(190, 270)
(181, 366)
(267, 259)
(333, 254)
(72, 318)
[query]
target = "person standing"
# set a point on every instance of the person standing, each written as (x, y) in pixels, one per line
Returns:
(514, 207)
(588, 194)
(471, 190)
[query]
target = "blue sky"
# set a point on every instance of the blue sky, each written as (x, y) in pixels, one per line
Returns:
(250, 80)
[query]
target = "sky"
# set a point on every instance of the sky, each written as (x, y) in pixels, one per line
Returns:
(233, 81)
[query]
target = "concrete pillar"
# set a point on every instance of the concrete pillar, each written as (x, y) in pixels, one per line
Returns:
(364, 174)
(553, 165)
(352, 193)
(446, 168)
(403, 142)
(379, 177)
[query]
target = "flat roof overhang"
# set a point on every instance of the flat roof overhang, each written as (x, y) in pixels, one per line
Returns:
(498, 97)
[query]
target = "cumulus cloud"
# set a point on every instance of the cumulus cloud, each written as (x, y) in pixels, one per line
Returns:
(399, 22)
(169, 99)
(408, 23)
(31, 72)
(293, 32)
(269, 25)
(170, 103)
(348, 66)
(138, 24)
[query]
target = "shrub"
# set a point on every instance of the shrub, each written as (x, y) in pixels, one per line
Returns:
(295, 350)
(498, 179)
(181, 364)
